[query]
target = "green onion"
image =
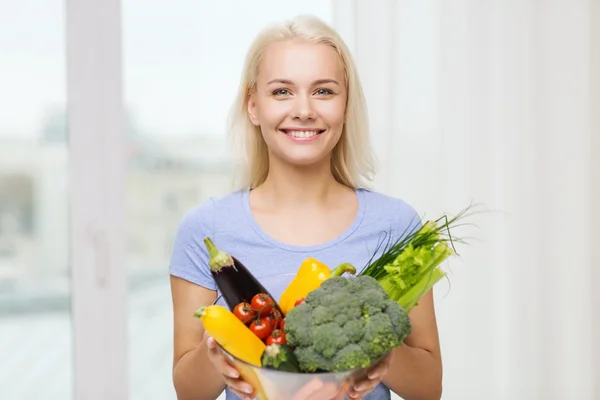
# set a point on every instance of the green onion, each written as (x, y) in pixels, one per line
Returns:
(410, 267)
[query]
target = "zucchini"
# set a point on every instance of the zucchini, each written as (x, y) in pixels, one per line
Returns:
(279, 357)
(231, 333)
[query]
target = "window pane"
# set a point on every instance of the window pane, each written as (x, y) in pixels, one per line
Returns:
(182, 66)
(35, 324)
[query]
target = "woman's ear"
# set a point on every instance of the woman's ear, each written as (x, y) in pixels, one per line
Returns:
(252, 109)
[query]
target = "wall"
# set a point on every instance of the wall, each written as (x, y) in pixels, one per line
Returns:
(490, 102)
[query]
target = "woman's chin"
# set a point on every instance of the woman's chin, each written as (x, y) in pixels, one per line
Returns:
(304, 159)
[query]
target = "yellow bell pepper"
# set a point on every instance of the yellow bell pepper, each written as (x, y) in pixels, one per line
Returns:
(310, 275)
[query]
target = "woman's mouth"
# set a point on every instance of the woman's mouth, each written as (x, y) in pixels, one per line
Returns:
(302, 135)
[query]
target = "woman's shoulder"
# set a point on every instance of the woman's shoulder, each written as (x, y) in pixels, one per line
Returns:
(189, 258)
(204, 215)
(387, 213)
(384, 205)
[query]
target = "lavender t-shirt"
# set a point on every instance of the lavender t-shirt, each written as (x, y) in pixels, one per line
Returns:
(228, 221)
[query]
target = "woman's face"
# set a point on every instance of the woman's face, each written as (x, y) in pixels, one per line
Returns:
(300, 101)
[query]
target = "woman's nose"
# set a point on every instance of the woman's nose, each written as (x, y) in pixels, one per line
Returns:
(303, 108)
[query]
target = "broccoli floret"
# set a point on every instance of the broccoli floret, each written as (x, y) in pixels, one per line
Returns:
(350, 357)
(355, 329)
(311, 361)
(333, 338)
(299, 331)
(346, 323)
(373, 302)
(379, 336)
(321, 315)
(335, 284)
(364, 283)
(399, 318)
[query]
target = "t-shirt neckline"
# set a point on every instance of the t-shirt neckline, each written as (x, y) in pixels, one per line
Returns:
(340, 238)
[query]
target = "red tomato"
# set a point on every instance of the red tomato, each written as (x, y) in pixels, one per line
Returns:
(299, 301)
(261, 328)
(281, 325)
(244, 312)
(274, 318)
(276, 337)
(262, 303)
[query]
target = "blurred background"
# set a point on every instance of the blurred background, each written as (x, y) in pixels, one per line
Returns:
(495, 102)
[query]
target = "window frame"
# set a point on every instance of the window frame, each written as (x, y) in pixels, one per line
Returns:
(97, 164)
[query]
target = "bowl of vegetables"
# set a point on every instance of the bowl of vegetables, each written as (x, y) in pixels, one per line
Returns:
(327, 330)
(324, 341)
(314, 347)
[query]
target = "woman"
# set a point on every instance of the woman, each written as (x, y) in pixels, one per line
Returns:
(301, 121)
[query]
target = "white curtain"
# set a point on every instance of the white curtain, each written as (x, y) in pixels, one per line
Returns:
(497, 102)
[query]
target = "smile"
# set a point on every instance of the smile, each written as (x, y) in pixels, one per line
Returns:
(302, 134)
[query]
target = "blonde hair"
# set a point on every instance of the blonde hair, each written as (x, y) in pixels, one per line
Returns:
(352, 161)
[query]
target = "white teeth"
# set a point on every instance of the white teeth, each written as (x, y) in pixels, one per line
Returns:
(302, 134)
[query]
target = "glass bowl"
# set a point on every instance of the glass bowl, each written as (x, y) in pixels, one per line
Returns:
(270, 384)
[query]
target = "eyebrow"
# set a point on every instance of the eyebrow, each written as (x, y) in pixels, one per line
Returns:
(317, 82)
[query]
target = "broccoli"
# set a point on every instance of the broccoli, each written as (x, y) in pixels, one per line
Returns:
(346, 323)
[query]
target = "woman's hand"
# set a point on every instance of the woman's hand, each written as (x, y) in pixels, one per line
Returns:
(318, 390)
(374, 376)
(225, 367)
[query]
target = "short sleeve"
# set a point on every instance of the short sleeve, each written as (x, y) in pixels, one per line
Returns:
(408, 222)
(189, 258)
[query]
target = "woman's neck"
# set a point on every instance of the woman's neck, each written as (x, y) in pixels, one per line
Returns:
(300, 186)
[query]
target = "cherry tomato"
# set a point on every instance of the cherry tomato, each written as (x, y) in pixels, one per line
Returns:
(262, 303)
(261, 328)
(244, 312)
(276, 337)
(274, 318)
(299, 301)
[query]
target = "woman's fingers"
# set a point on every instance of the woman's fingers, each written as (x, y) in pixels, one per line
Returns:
(210, 342)
(317, 390)
(360, 391)
(327, 392)
(224, 367)
(363, 387)
(308, 389)
(374, 376)
(242, 389)
(230, 374)
(378, 372)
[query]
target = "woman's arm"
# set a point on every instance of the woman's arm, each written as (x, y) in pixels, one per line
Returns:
(415, 372)
(194, 376)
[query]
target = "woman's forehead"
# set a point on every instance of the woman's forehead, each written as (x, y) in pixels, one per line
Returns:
(300, 63)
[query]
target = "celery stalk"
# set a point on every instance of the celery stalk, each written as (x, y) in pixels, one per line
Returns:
(410, 299)
(409, 267)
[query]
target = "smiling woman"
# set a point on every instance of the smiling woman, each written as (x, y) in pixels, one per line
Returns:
(305, 87)
(307, 110)
(301, 119)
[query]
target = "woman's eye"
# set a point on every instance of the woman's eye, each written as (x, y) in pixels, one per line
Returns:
(281, 92)
(324, 92)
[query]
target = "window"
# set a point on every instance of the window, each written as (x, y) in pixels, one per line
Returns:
(34, 207)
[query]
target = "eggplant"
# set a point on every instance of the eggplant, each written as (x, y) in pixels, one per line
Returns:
(234, 281)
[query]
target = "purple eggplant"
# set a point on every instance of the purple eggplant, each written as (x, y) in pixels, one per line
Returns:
(234, 281)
